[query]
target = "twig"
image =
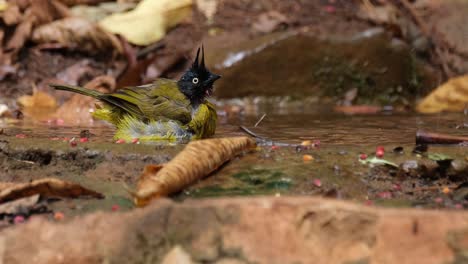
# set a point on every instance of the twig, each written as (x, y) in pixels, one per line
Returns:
(153, 47)
(260, 120)
(265, 141)
(423, 137)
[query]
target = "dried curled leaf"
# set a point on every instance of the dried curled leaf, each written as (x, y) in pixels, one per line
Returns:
(197, 160)
(77, 34)
(39, 105)
(450, 96)
(148, 22)
(48, 187)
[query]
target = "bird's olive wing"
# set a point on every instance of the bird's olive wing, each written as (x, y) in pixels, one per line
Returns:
(147, 105)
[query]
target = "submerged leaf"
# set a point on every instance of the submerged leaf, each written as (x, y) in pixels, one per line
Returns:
(450, 96)
(438, 157)
(148, 22)
(48, 187)
(196, 161)
(378, 161)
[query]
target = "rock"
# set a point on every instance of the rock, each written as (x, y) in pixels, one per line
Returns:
(246, 230)
(177, 255)
(294, 65)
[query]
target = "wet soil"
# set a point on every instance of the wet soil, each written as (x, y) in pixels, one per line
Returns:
(334, 169)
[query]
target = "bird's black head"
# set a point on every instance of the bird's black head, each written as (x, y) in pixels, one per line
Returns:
(197, 82)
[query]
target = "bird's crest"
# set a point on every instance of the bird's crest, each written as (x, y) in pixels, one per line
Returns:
(199, 66)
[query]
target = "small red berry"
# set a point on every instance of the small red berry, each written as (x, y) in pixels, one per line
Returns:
(73, 143)
(135, 140)
(19, 219)
(274, 147)
(20, 136)
(438, 200)
(59, 216)
(384, 195)
(317, 182)
(316, 143)
(84, 140)
(115, 207)
(120, 141)
(379, 153)
(363, 156)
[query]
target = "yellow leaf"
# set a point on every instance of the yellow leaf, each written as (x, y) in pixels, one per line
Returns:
(148, 22)
(451, 96)
(3, 5)
(39, 106)
(38, 99)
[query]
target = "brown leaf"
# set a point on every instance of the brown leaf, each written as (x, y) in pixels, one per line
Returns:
(77, 34)
(269, 22)
(39, 105)
(46, 11)
(48, 187)
(197, 160)
(22, 33)
(12, 15)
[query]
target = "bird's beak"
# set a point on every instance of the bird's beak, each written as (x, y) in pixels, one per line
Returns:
(213, 77)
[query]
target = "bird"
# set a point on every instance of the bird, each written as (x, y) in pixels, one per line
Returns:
(172, 110)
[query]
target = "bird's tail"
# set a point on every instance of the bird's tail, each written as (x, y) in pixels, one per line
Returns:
(77, 89)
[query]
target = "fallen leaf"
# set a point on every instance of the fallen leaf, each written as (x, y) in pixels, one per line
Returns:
(3, 5)
(78, 108)
(39, 105)
(21, 34)
(269, 22)
(197, 160)
(207, 7)
(451, 96)
(99, 12)
(46, 188)
(19, 205)
(12, 15)
(381, 14)
(79, 34)
(377, 161)
(149, 21)
(438, 157)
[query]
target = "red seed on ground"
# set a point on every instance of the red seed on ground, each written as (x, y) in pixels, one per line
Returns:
(330, 9)
(458, 206)
(317, 182)
(438, 200)
(120, 141)
(55, 138)
(379, 153)
(380, 148)
(316, 143)
(369, 202)
(274, 147)
(115, 207)
(19, 219)
(59, 121)
(20, 136)
(384, 195)
(84, 140)
(59, 216)
(135, 140)
(397, 187)
(73, 143)
(363, 156)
